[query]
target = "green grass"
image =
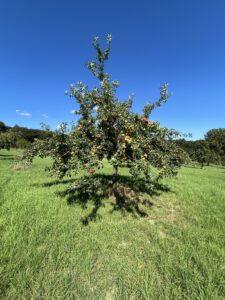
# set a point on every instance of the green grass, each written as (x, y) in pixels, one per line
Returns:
(176, 252)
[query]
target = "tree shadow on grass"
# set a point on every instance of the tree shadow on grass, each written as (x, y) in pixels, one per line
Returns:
(127, 195)
(7, 157)
(55, 182)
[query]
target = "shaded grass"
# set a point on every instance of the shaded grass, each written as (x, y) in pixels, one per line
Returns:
(176, 252)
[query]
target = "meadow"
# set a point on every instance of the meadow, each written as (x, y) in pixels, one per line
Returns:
(174, 251)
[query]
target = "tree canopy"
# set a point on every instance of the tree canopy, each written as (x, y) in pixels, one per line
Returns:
(216, 141)
(108, 128)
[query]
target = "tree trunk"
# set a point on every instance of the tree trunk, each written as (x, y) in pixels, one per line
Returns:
(115, 173)
(202, 165)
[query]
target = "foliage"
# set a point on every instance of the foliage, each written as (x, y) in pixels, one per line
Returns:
(3, 127)
(216, 141)
(20, 137)
(59, 148)
(4, 140)
(201, 152)
(198, 151)
(31, 134)
(10, 139)
(209, 150)
(108, 128)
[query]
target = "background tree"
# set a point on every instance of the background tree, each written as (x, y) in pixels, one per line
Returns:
(29, 134)
(21, 137)
(198, 151)
(216, 141)
(9, 139)
(201, 152)
(108, 128)
(4, 141)
(209, 150)
(3, 127)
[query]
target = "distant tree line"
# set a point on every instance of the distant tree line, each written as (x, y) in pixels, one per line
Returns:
(209, 150)
(20, 137)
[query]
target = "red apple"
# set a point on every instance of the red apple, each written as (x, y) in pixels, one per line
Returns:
(145, 120)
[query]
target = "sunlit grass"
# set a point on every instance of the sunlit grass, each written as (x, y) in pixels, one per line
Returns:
(175, 252)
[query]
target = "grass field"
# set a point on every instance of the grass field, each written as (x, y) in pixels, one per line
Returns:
(175, 252)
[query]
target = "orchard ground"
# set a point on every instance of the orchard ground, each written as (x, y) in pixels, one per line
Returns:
(175, 251)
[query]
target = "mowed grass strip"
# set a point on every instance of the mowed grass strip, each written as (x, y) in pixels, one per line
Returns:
(175, 252)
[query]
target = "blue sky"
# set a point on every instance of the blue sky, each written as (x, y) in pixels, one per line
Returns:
(45, 44)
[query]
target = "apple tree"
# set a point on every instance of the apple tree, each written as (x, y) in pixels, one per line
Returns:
(109, 129)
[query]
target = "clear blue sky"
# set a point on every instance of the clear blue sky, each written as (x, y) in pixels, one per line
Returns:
(45, 44)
